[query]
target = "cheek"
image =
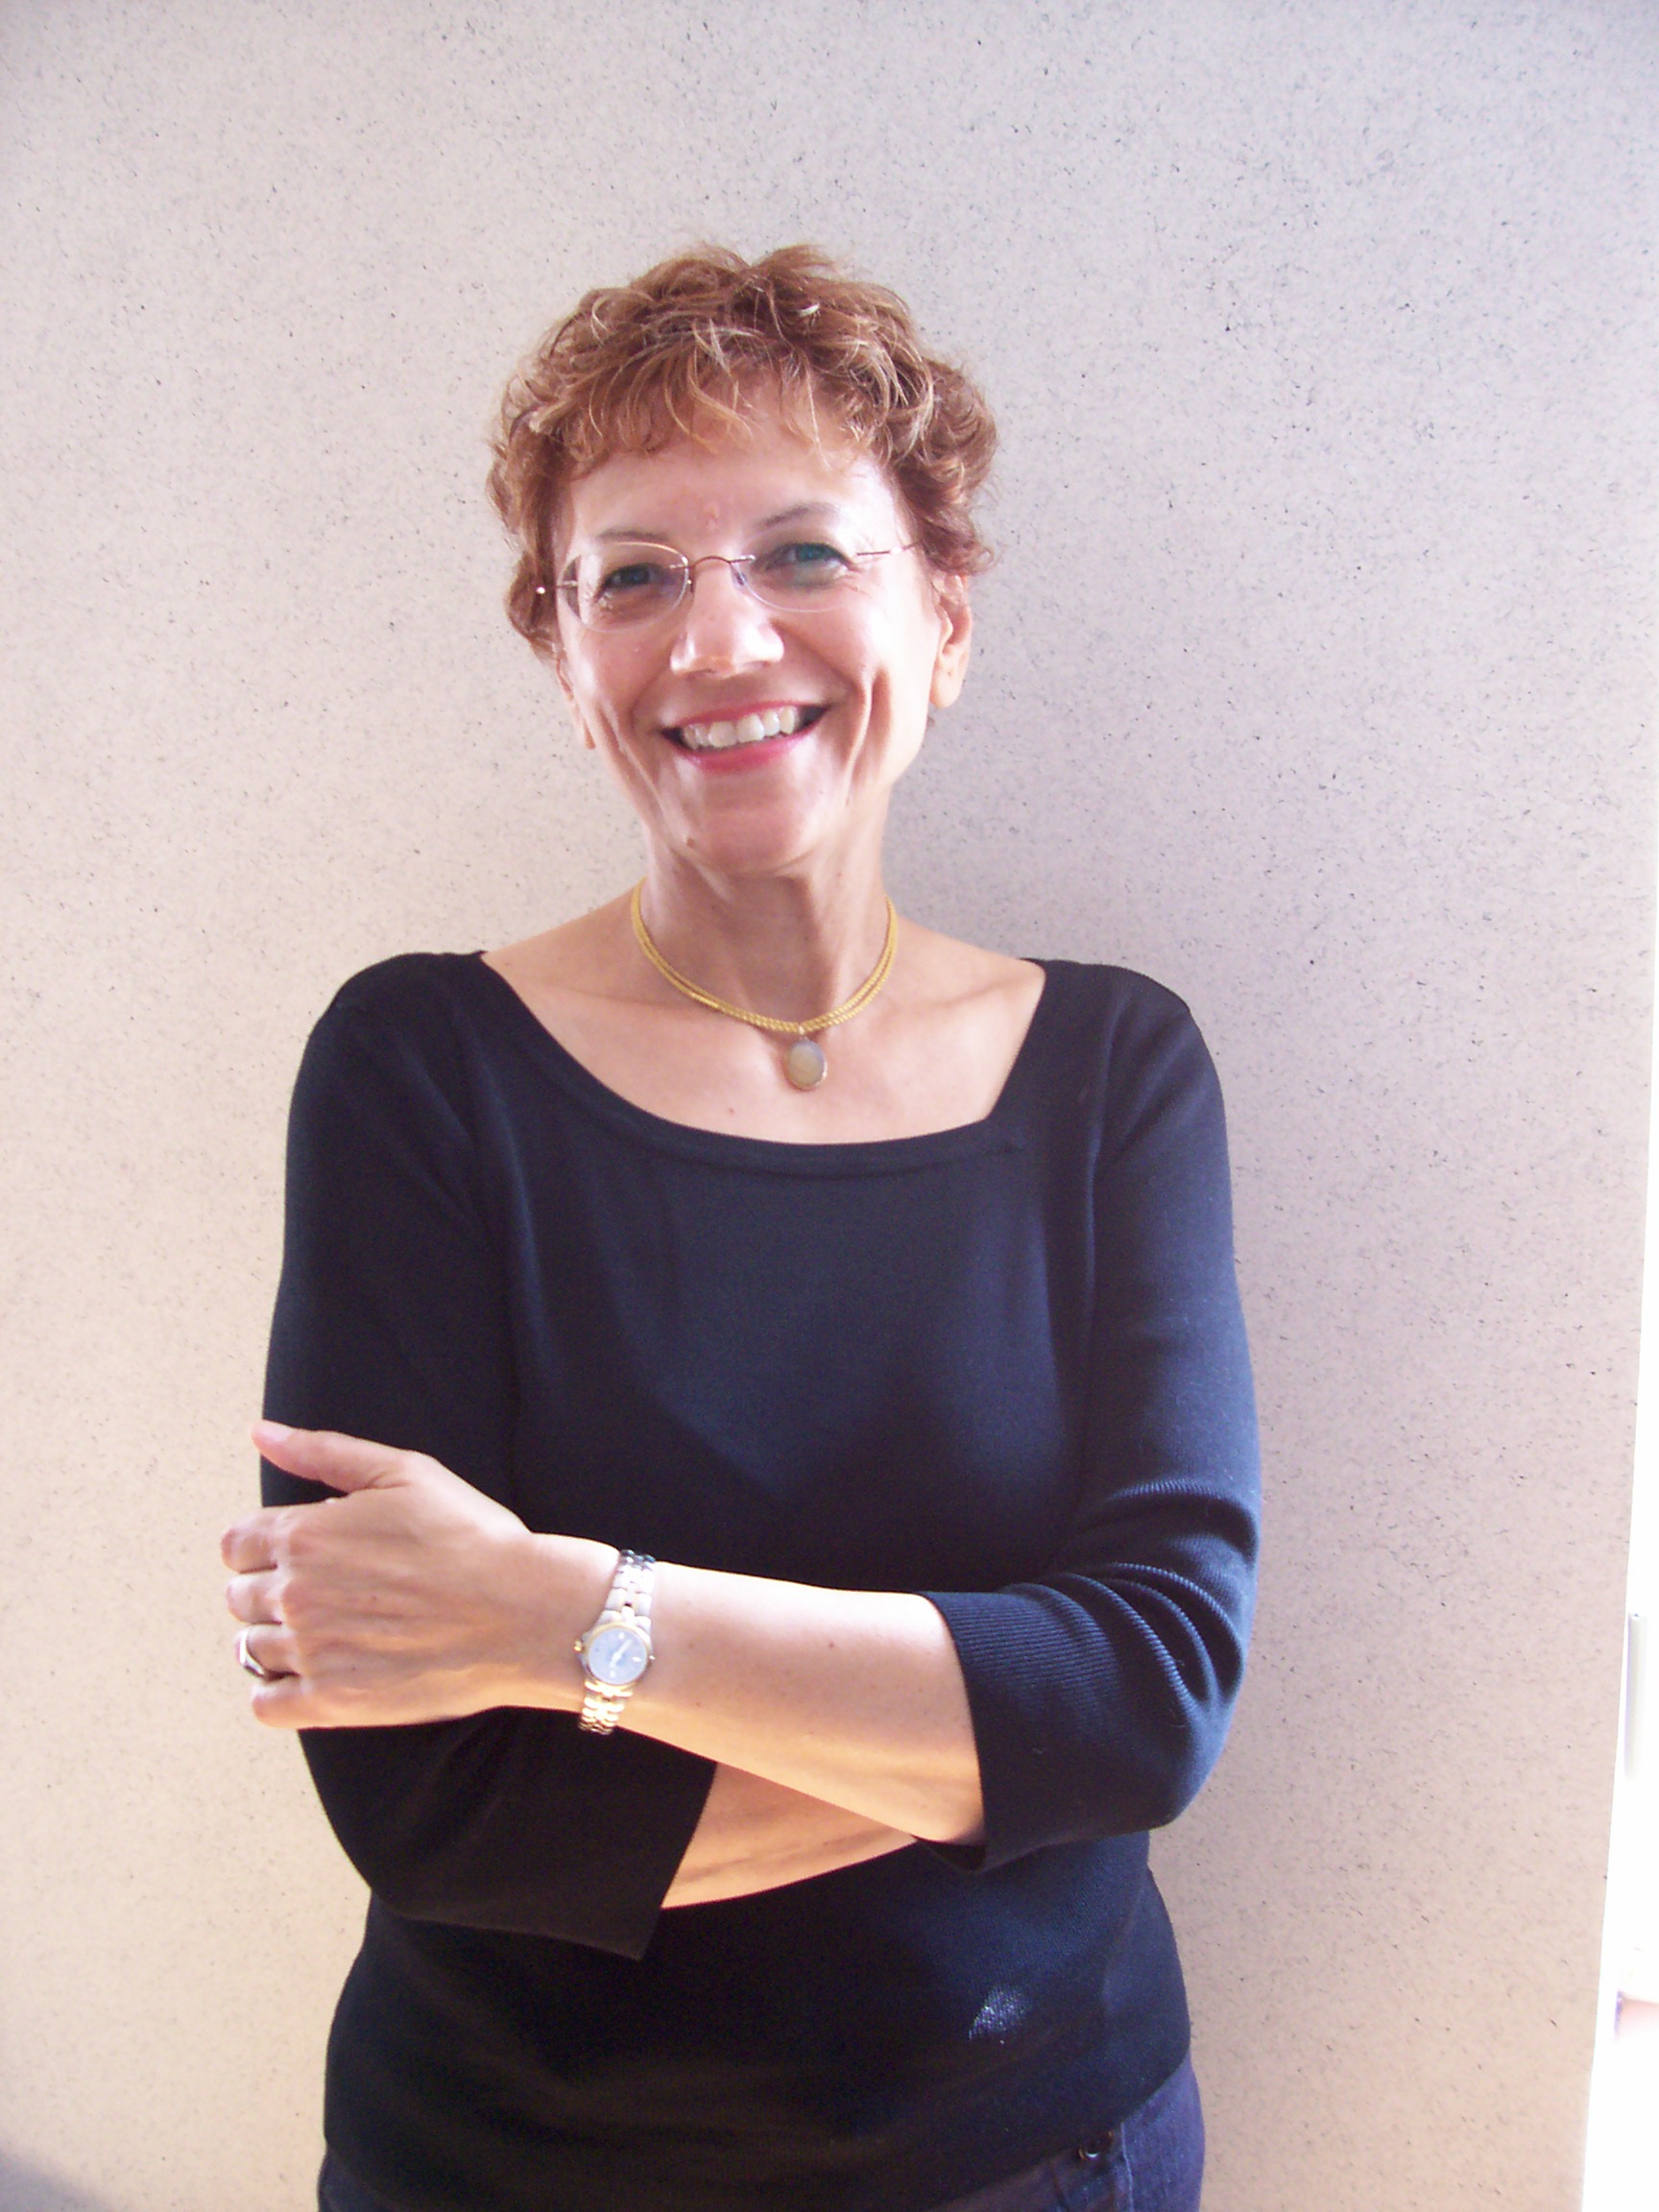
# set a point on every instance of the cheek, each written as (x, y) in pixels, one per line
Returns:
(602, 702)
(902, 675)
(917, 636)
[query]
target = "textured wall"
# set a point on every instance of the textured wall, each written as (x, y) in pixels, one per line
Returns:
(1314, 679)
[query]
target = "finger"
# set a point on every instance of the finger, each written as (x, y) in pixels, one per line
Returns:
(250, 1598)
(251, 1543)
(269, 1647)
(324, 1455)
(288, 1703)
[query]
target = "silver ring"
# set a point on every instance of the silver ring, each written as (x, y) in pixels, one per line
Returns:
(245, 1658)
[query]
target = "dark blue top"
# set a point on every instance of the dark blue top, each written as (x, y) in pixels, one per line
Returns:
(1004, 1366)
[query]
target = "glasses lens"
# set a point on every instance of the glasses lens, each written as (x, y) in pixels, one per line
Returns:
(617, 585)
(801, 572)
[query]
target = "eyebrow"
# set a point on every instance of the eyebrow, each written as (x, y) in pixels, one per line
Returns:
(809, 510)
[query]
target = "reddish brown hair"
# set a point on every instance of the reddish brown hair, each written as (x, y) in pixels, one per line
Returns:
(679, 352)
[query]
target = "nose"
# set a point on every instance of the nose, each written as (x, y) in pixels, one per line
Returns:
(721, 626)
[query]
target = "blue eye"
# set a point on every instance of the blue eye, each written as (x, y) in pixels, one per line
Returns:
(807, 564)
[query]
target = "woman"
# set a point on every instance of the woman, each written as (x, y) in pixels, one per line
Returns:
(785, 1381)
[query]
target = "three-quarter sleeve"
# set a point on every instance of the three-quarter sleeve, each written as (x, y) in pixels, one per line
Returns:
(1100, 1690)
(392, 1323)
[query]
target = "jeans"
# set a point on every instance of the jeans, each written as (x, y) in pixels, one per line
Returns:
(1154, 2162)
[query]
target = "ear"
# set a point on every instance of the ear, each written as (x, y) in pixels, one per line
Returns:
(956, 637)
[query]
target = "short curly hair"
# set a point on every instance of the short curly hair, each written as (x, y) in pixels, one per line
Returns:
(679, 352)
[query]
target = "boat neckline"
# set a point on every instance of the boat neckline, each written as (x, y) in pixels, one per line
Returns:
(992, 1130)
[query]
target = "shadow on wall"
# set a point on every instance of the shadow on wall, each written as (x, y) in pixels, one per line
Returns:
(27, 2188)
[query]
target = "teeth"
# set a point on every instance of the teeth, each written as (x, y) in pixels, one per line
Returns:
(749, 729)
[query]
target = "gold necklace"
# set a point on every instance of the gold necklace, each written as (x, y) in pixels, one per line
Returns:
(803, 1063)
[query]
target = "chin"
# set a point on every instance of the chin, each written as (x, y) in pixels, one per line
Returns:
(755, 854)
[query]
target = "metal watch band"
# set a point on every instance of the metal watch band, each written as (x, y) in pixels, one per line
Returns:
(601, 1708)
(629, 1601)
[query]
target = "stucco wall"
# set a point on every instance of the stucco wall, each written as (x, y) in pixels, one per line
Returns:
(1315, 680)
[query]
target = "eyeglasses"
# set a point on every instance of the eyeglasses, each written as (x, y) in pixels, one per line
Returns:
(620, 585)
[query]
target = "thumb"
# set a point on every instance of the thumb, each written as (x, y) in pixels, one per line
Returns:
(324, 1455)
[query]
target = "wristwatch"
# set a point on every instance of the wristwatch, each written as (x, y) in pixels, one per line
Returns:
(616, 1650)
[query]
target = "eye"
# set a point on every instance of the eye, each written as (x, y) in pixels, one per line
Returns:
(635, 576)
(803, 565)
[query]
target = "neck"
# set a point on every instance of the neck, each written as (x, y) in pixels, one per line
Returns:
(790, 945)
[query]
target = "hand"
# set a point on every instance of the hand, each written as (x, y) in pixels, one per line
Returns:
(414, 1597)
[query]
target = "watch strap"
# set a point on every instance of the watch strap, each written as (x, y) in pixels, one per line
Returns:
(628, 1599)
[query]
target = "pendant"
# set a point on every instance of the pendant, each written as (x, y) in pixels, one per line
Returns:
(804, 1064)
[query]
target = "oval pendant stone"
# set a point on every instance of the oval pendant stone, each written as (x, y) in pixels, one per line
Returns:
(804, 1064)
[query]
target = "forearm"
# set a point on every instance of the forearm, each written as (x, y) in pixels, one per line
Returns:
(853, 1697)
(754, 1834)
(415, 1598)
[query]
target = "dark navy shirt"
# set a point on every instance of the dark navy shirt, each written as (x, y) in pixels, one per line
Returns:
(1004, 1365)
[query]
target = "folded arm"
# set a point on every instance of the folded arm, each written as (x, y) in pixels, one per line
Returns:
(414, 1597)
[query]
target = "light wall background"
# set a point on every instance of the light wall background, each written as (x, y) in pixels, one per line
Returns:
(1315, 679)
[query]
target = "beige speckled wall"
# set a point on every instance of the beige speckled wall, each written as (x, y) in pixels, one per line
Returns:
(1315, 679)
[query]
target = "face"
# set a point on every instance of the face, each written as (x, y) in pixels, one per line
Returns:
(846, 685)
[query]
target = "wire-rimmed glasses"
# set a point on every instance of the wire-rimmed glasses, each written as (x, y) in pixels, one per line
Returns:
(617, 586)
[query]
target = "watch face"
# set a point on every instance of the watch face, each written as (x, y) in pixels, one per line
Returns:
(617, 1654)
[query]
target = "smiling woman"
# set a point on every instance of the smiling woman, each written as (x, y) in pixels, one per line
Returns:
(756, 705)
(780, 1381)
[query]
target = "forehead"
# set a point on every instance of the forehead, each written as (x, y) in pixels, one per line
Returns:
(740, 478)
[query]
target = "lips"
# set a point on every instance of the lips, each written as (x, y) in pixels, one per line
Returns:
(752, 729)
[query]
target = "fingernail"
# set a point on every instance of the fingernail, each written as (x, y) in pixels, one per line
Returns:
(278, 1431)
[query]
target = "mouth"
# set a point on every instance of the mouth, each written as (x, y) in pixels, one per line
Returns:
(751, 729)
